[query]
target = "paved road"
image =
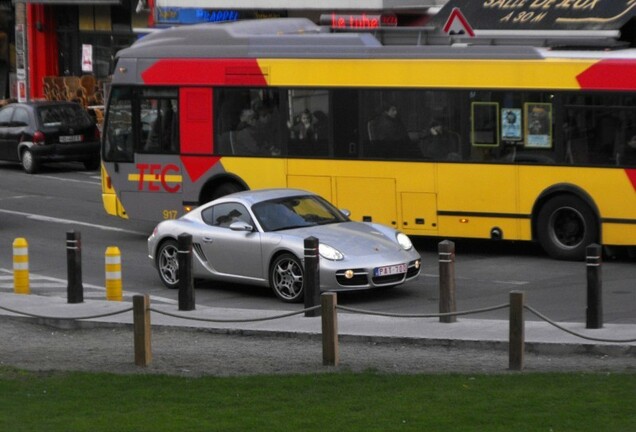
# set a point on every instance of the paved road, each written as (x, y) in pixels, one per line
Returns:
(43, 208)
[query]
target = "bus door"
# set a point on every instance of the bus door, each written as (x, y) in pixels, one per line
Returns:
(141, 152)
(196, 135)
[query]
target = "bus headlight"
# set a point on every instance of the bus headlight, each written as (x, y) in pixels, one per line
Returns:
(404, 241)
(329, 253)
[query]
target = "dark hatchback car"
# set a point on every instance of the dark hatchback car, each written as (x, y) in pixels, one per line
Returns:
(33, 133)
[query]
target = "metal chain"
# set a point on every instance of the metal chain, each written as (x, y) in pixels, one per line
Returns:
(67, 318)
(344, 308)
(560, 327)
(235, 320)
(437, 315)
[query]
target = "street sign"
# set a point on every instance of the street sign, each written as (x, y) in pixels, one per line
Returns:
(539, 14)
(457, 24)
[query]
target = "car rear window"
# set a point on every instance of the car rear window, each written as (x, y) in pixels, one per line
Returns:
(64, 115)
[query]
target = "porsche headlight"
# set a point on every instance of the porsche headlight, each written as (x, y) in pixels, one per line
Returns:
(404, 241)
(329, 253)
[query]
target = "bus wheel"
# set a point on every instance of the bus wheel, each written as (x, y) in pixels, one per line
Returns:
(566, 226)
(168, 263)
(286, 278)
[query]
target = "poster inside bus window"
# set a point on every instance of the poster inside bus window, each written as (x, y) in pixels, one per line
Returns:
(538, 125)
(485, 124)
(511, 124)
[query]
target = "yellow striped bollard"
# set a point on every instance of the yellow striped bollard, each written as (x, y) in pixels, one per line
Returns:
(113, 274)
(21, 266)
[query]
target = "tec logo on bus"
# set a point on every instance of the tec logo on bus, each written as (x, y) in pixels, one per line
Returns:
(157, 178)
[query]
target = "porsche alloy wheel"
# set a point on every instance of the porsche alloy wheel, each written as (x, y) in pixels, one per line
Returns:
(168, 263)
(286, 278)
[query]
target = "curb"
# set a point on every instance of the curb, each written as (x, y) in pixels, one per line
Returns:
(534, 347)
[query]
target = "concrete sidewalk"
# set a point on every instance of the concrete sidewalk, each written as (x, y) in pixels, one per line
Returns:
(540, 336)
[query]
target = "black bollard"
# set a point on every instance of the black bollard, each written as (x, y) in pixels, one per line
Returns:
(447, 304)
(311, 281)
(186, 282)
(594, 312)
(74, 288)
(517, 331)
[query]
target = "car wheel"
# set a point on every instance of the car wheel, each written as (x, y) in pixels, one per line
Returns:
(168, 263)
(92, 164)
(286, 278)
(29, 162)
(566, 227)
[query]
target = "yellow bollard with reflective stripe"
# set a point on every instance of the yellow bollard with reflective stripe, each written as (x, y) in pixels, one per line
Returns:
(21, 266)
(113, 274)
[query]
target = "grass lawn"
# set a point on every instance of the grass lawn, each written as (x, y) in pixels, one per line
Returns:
(31, 401)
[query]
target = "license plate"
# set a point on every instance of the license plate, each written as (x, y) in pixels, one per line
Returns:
(71, 138)
(390, 270)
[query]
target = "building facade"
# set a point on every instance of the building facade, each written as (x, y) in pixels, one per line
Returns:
(43, 38)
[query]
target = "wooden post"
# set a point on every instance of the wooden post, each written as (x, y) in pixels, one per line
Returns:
(330, 354)
(594, 312)
(446, 251)
(516, 338)
(186, 282)
(141, 329)
(311, 283)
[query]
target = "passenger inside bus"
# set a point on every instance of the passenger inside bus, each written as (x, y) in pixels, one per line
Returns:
(303, 129)
(162, 137)
(387, 134)
(246, 139)
(267, 127)
(606, 137)
(308, 134)
(439, 143)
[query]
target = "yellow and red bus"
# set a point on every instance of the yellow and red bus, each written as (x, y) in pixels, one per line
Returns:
(485, 141)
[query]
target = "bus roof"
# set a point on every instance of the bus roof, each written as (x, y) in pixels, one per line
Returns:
(301, 38)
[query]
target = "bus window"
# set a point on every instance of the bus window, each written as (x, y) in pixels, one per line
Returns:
(248, 122)
(411, 124)
(307, 122)
(386, 132)
(627, 154)
(485, 124)
(512, 127)
(159, 123)
(599, 129)
(118, 136)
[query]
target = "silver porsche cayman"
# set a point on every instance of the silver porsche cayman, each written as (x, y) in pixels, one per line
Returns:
(257, 237)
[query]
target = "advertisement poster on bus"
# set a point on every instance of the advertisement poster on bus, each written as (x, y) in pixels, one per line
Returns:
(539, 120)
(511, 124)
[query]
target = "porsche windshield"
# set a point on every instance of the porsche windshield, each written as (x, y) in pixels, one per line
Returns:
(296, 212)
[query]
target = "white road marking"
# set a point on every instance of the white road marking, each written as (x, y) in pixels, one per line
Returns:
(70, 222)
(70, 180)
(42, 281)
